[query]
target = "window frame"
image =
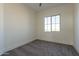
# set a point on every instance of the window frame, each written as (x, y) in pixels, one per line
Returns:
(51, 23)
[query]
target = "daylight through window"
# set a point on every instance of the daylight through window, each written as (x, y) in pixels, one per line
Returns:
(52, 23)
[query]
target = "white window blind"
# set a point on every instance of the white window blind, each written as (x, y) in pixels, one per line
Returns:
(52, 23)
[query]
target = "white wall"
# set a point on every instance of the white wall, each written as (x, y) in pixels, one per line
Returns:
(19, 25)
(22, 25)
(1, 30)
(76, 32)
(66, 34)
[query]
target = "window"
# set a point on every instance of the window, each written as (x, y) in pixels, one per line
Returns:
(52, 23)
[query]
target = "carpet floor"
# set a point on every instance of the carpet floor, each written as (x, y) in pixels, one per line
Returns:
(43, 48)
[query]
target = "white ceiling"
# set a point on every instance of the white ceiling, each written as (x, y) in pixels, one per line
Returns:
(36, 6)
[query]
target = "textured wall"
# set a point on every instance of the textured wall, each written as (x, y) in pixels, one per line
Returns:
(66, 34)
(19, 25)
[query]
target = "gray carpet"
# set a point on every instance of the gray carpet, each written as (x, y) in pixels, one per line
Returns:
(43, 48)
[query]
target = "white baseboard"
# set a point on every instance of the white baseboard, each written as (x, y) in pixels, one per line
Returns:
(1, 53)
(76, 49)
(18, 45)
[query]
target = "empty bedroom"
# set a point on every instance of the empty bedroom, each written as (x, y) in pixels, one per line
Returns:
(39, 29)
